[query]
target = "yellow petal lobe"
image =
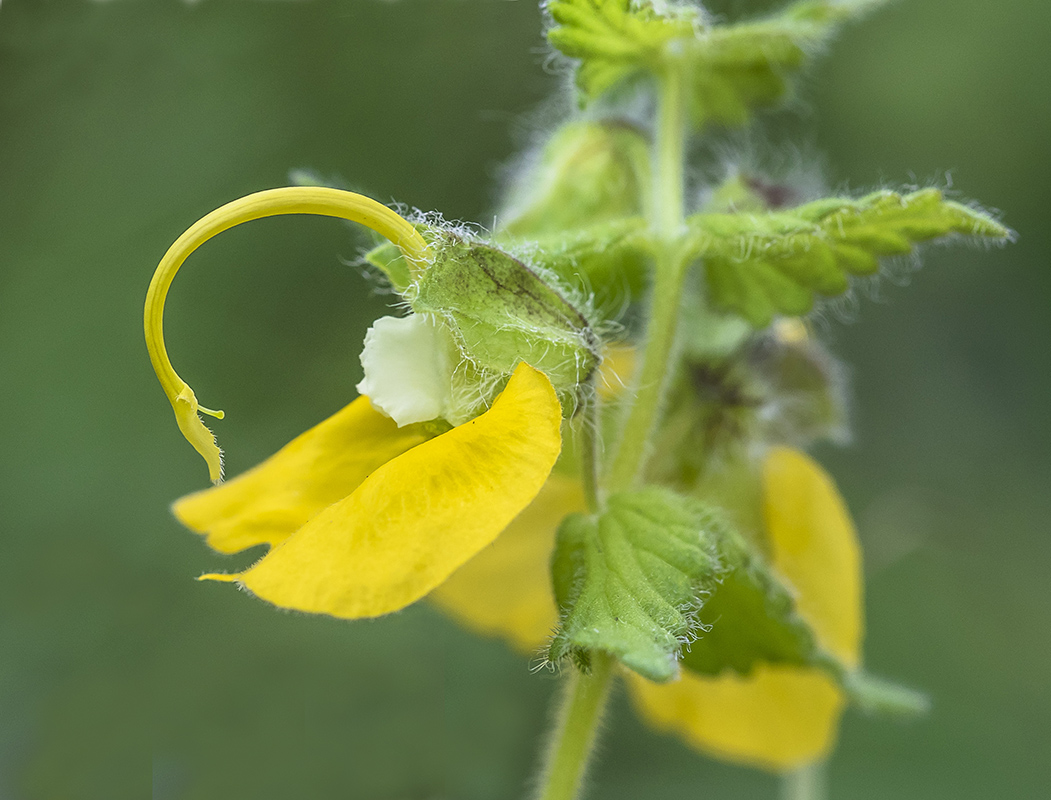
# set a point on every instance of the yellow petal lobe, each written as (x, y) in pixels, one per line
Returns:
(776, 718)
(505, 590)
(815, 547)
(197, 433)
(218, 577)
(780, 717)
(416, 519)
(313, 471)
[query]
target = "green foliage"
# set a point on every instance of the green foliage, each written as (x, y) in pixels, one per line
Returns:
(752, 620)
(579, 208)
(768, 390)
(731, 69)
(629, 581)
(609, 260)
(637, 579)
(389, 260)
(615, 39)
(759, 265)
(588, 172)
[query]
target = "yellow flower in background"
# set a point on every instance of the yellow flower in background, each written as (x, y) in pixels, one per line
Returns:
(778, 717)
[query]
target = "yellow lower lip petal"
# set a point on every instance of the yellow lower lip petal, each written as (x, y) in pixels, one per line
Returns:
(416, 519)
(313, 471)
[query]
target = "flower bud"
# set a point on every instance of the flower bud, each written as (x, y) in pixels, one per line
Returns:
(588, 172)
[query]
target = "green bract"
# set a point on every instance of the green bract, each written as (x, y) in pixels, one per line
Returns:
(610, 260)
(640, 579)
(768, 390)
(731, 69)
(630, 580)
(753, 619)
(759, 265)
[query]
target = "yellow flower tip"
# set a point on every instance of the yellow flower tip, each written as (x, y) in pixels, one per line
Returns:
(196, 433)
(220, 577)
(318, 200)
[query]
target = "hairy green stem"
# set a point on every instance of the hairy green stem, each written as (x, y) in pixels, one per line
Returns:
(666, 221)
(575, 729)
(804, 783)
(586, 694)
(589, 457)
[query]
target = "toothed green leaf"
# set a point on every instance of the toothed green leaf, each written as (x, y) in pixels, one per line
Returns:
(738, 68)
(760, 265)
(731, 69)
(656, 570)
(615, 39)
(628, 581)
(752, 619)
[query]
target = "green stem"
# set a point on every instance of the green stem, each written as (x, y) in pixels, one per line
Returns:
(589, 457)
(586, 694)
(805, 783)
(666, 221)
(575, 729)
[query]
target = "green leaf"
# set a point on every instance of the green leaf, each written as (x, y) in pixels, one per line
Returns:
(629, 581)
(760, 265)
(640, 580)
(737, 68)
(731, 69)
(752, 619)
(615, 39)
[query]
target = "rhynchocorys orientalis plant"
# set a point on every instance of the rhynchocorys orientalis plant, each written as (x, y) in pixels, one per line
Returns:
(584, 430)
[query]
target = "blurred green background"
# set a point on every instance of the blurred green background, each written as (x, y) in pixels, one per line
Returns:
(121, 123)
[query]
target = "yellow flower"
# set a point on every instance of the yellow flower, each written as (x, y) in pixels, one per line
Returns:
(777, 717)
(363, 517)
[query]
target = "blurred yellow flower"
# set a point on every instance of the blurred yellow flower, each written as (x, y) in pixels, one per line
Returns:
(777, 717)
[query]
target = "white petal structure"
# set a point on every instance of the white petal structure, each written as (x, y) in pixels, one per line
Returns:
(409, 362)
